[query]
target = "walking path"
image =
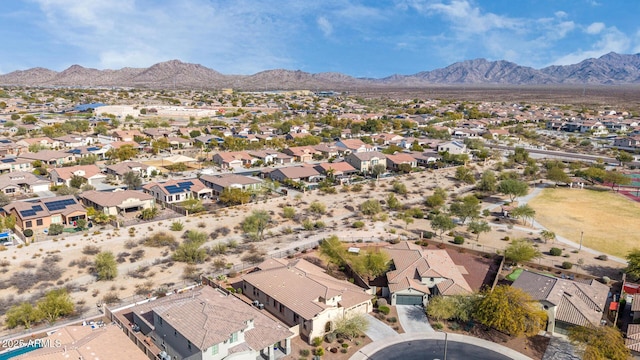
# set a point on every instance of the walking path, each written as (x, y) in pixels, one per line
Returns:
(413, 319)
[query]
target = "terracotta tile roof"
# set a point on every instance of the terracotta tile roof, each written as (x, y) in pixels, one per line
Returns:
(114, 198)
(196, 186)
(338, 167)
(87, 171)
(18, 178)
(412, 263)
(577, 303)
(297, 172)
(126, 166)
(400, 158)
(367, 156)
(632, 340)
(83, 342)
(227, 180)
(40, 209)
(300, 286)
(207, 317)
(45, 155)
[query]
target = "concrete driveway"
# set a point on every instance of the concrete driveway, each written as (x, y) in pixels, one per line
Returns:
(413, 319)
(378, 330)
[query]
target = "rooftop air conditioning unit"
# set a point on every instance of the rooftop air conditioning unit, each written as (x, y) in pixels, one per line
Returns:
(256, 302)
(261, 306)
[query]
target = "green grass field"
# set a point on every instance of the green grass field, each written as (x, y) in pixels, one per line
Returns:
(610, 222)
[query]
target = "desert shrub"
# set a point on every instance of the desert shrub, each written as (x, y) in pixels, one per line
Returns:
(567, 265)
(382, 302)
(458, 240)
(130, 244)
(317, 341)
(111, 298)
(555, 251)
(28, 232)
(90, 250)
(305, 352)
(319, 351)
(176, 226)
(437, 326)
(606, 280)
(384, 309)
(358, 224)
(392, 320)
(330, 337)
(55, 229)
(161, 239)
(602, 257)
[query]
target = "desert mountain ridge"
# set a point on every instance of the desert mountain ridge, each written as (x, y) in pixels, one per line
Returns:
(609, 69)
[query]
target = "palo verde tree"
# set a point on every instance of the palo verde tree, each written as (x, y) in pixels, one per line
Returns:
(521, 250)
(255, 224)
(466, 208)
(479, 227)
(106, 266)
(510, 310)
(633, 264)
(599, 343)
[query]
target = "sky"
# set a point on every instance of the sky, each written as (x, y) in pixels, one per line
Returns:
(362, 38)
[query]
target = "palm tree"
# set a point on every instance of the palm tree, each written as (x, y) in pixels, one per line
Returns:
(548, 235)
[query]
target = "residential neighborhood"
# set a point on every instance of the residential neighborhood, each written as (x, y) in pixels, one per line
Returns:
(189, 225)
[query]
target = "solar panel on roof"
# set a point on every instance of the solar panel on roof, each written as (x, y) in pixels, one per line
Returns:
(172, 189)
(25, 213)
(59, 204)
(9, 160)
(185, 183)
(74, 151)
(37, 208)
(93, 148)
(5, 141)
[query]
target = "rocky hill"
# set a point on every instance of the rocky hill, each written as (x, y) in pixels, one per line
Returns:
(609, 69)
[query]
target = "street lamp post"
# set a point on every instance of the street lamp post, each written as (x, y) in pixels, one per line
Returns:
(446, 334)
(581, 235)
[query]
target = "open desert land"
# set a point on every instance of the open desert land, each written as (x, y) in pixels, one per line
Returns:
(143, 270)
(608, 220)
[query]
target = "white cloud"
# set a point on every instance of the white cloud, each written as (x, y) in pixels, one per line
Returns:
(611, 40)
(325, 26)
(595, 28)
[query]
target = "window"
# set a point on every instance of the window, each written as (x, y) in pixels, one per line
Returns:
(28, 224)
(175, 333)
(160, 320)
(170, 198)
(234, 337)
(281, 308)
(189, 344)
(214, 349)
(39, 222)
(296, 318)
(10, 190)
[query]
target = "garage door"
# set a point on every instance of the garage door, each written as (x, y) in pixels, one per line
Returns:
(408, 300)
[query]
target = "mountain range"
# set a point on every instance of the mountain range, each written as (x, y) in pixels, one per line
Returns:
(609, 69)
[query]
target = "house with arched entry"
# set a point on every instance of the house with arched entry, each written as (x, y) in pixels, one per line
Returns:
(302, 294)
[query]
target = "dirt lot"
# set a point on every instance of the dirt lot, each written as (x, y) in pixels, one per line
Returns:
(145, 269)
(603, 216)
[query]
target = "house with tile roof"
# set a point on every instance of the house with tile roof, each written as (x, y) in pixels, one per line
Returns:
(205, 323)
(119, 169)
(395, 160)
(175, 191)
(41, 213)
(11, 164)
(295, 173)
(229, 159)
(63, 175)
(354, 146)
(301, 153)
(22, 182)
(568, 303)
(49, 157)
(85, 342)
(365, 161)
(220, 183)
(417, 273)
(341, 171)
(302, 294)
(119, 202)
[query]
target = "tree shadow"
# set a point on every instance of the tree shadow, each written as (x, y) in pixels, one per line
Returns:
(603, 270)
